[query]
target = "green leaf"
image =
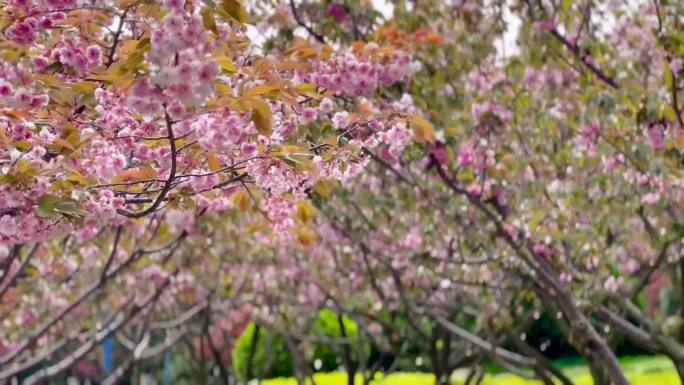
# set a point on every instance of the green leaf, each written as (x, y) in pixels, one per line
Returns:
(46, 206)
(667, 75)
(669, 112)
(49, 206)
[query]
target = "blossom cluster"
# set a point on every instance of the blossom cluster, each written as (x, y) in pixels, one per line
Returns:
(353, 75)
(25, 31)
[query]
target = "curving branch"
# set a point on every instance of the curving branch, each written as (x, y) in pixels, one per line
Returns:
(115, 245)
(71, 359)
(94, 288)
(633, 332)
(585, 59)
(7, 280)
(169, 181)
(486, 346)
(117, 37)
(301, 23)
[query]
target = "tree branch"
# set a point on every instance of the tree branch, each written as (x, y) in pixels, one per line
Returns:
(301, 23)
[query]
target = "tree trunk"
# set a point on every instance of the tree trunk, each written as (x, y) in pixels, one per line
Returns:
(680, 370)
(598, 374)
(445, 355)
(570, 332)
(681, 303)
(252, 352)
(349, 363)
(435, 362)
(543, 363)
(583, 335)
(299, 365)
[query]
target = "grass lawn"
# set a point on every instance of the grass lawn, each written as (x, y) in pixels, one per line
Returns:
(640, 370)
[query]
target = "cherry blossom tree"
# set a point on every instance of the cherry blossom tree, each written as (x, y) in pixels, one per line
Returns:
(165, 179)
(136, 136)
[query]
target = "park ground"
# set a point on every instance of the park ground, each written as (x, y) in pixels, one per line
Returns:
(640, 371)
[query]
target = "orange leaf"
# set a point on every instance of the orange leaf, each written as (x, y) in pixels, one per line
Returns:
(240, 200)
(261, 90)
(305, 237)
(3, 137)
(134, 175)
(423, 131)
(435, 38)
(213, 161)
(59, 142)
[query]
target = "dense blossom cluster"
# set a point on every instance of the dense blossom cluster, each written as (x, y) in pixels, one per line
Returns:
(181, 77)
(353, 75)
(39, 16)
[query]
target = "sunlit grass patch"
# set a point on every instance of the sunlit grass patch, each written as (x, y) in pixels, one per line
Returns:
(640, 371)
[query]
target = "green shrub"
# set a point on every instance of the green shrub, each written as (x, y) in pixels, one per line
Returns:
(271, 356)
(327, 325)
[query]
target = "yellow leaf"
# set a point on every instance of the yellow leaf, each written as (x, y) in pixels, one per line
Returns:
(305, 237)
(124, 4)
(13, 54)
(76, 178)
(226, 64)
(240, 200)
(261, 115)
(143, 44)
(679, 143)
(59, 143)
(49, 80)
(222, 88)
(4, 23)
(74, 138)
(149, 171)
(423, 131)
(290, 149)
(257, 226)
(262, 89)
(84, 87)
(116, 75)
(216, 103)
(32, 272)
(208, 20)
(300, 162)
(308, 89)
(128, 46)
(133, 61)
(453, 130)
(235, 9)
(213, 161)
(305, 212)
(324, 188)
(670, 113)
